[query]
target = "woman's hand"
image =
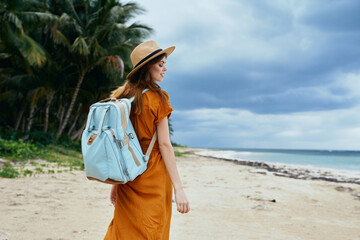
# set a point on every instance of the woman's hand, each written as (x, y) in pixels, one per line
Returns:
(182, 203)
(113, 195)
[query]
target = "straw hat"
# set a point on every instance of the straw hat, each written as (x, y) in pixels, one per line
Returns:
(144, 52)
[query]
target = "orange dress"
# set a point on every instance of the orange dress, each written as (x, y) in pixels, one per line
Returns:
(143, 206)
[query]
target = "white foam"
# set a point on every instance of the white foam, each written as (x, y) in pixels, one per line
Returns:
(313, 170)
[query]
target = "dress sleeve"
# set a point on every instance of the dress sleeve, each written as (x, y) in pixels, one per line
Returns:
(162, 110)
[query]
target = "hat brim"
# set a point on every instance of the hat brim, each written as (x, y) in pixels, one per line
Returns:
(167, 51)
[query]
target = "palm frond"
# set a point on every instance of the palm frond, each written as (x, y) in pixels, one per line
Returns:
(80, 46)
(132, 9)
(32, 52)
(10, 17)
(97, 49)
(59, 37)
(112, 65)
(70, 10)
(140, 27)
(115, 14)
(36, 94)
(38, 18)
(137, 31)
(66, 20)
(4, 56)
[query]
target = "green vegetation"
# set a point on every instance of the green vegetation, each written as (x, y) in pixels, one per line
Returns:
(179, 154)
(19, 153)
(19, 150)
(8, 171)
(178, 145)
(27, 172)
(56, 59)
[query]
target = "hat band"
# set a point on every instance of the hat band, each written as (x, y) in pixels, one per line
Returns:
(147, 57)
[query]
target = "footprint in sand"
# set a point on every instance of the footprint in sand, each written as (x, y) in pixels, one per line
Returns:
(261, 207)
(41, 196)
(14, 204)
(258, 198)
(344, 189)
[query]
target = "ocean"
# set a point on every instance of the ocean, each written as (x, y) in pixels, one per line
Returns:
(324, 159)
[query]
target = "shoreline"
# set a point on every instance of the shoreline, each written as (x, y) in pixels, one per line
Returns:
(290, 171)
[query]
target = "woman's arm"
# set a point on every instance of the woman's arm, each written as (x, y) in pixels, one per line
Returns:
(167, 152)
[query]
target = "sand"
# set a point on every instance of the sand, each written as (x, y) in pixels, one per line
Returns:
(228, 201)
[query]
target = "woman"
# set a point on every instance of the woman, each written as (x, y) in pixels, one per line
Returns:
(143, 206)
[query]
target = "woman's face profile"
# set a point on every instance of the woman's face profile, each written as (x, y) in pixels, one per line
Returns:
(157, 70)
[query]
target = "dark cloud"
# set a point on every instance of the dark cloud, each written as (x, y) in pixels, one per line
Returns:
(335, 16)
(260, 89)
(293, 83)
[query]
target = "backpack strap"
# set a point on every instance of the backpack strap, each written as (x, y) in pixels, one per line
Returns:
(153, 139)
(152, 143)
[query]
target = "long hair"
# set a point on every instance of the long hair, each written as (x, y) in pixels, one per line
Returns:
(139, 81)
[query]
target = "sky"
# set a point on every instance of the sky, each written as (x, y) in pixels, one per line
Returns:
(261, 74)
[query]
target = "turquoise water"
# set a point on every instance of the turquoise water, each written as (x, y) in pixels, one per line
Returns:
(341, 160)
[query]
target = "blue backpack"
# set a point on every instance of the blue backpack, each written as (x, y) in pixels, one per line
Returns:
(110, 147)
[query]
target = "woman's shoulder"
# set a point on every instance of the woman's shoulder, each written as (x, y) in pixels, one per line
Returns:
(156, 100)
(155, 96)
(158, 103)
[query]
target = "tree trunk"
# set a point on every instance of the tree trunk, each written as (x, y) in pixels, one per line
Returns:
(18, 120)
(23, 125)
(31, 118)
(78, 133)
(30, 122)
(47, 109)
(76, 118)
(63, 125)
(60, 114)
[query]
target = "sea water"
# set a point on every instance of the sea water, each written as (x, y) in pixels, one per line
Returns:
(336, 159)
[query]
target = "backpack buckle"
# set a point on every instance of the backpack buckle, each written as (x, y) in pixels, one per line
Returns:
(119, 143)
(131, 135)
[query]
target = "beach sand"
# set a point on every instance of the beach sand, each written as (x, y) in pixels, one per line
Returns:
(228, 201)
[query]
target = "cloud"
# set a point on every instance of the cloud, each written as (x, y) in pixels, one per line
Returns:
(231, 128)
(337, 16)
(209, 32)
(278, 94)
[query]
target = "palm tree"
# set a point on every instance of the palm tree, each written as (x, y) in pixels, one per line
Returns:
(54, 53)
(21, 54)
(14, 15)
(95, 33)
